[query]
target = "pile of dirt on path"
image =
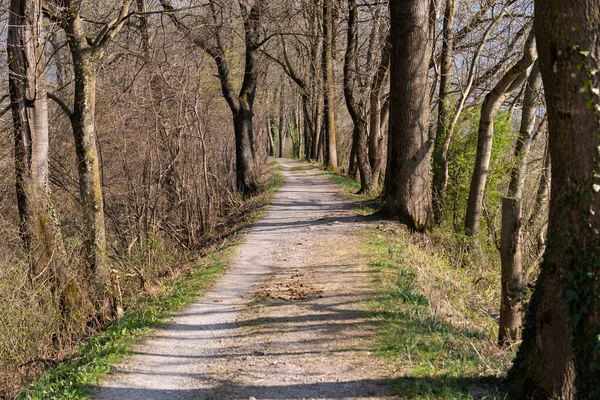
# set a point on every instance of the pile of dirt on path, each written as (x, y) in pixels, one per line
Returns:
(292, 288)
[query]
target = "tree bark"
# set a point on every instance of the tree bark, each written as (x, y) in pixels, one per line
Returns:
(376, 133)
(440, 157)
(142, 6)
(281, 126)
(270, 134)
(367, 184)
(530, 102)
(84, 132)
(560, 356)
(331, 160)
(407, 189)
(86, 55)
(493, 100)
(512, 272)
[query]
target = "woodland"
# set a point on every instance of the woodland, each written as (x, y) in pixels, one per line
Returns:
(136, 135)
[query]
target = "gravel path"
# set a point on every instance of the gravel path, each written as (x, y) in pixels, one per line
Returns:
(284, 322)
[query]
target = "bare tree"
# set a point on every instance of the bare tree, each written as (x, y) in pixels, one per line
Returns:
(86, 54)
(360, 133)
(242, 103)
(331, 160)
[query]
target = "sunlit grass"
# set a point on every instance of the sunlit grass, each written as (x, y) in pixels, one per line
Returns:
(436, 328)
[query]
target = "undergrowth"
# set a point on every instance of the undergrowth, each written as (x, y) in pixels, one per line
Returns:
(156, 280)
(438, 326)
(72, 378)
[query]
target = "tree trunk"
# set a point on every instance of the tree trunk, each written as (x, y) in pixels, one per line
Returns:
(90, 186)
(39, 225)
(361, 151)
(142, 6)
(270, 134)
(407, 189)
(493, 100)
(281, 128)
(512, 272)
(309, 126)
(331, 161)
(560, 356)
(530, 102)
(247, 181)
(440, 152)
(376, 133)
(86, 57)
(512, 241)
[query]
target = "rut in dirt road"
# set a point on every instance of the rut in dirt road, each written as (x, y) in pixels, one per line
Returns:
(284, 322)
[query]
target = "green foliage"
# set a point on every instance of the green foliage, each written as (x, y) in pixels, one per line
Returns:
(461, 161)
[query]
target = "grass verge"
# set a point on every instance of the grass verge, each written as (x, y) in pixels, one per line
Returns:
(437, 321)
(72, 378)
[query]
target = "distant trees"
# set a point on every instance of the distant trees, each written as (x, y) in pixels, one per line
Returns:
(407, 188)
(559, 357)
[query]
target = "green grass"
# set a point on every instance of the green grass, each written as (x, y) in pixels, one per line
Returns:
(73, 377)
(434, 328)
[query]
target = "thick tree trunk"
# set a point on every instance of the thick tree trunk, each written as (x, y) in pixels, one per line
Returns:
(485, 136)
(86, 56)
(361, 151)
(560, 356)
(39, 226)
(512, 273)
(331, 160)
(444, 120)
(407, 189)
(90, 186)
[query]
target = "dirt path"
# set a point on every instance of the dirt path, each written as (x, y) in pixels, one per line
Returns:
(286, 320)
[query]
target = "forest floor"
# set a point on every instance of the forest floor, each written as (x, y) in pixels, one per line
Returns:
(287, 320)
